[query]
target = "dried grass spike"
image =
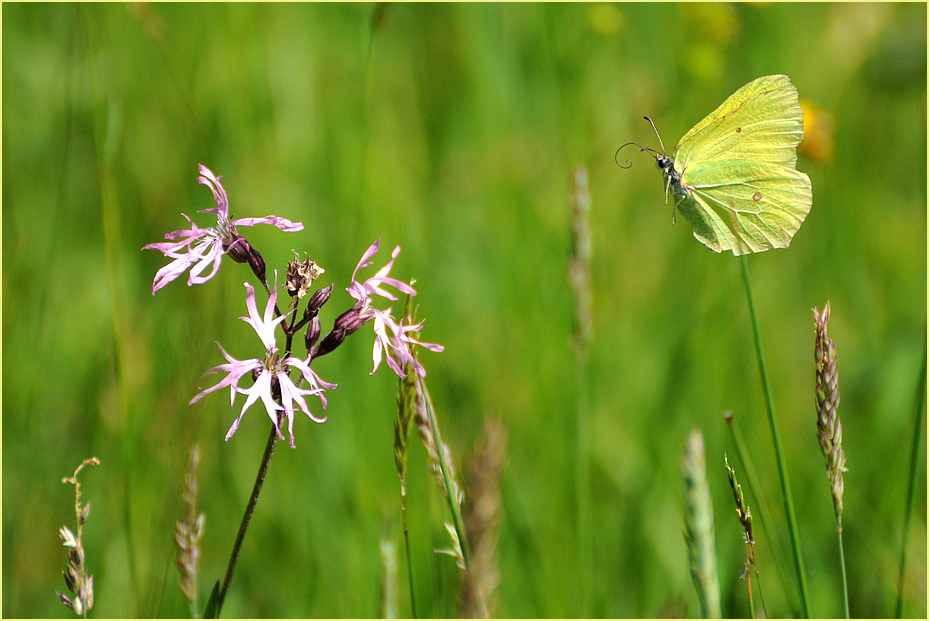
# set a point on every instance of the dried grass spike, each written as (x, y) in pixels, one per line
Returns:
(828, 423)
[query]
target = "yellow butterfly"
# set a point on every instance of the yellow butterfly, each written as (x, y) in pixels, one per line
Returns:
(734, 177)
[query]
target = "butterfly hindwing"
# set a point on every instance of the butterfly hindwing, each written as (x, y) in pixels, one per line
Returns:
(745, 206)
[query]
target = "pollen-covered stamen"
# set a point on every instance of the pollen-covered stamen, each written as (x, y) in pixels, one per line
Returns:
(273, 363)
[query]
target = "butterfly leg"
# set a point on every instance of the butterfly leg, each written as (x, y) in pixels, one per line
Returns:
(667, 190)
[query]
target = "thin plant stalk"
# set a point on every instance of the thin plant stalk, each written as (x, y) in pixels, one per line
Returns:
(754, 486)
(919, 413)
(778, 450)
(389, 560)
(838, 519)
(409, 557)
(249, 510)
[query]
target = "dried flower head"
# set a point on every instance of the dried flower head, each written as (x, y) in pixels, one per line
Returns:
(188, 532)
(482, 521)
(300, 276)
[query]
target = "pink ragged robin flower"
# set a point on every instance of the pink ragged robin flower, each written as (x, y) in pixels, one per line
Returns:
(396, 344)
(206, 246)
(271, 374)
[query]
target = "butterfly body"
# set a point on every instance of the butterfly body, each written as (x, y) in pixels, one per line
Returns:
(733, 176)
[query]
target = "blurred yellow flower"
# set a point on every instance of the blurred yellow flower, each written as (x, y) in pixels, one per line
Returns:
(818, 125)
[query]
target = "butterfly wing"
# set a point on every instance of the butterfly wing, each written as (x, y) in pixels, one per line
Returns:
(760, 122)
(744, 206)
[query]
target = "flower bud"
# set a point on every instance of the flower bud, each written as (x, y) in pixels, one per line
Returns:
(312, 334)
(319, 298)
(329, 343)
(257, 263)
(352, 319)
(346, 323)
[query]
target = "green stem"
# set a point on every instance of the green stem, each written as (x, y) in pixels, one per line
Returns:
(911, 487)
(778, 451)
(249, 509)
(409, 558)
(446, 477)
(838, 520)
(764, 607)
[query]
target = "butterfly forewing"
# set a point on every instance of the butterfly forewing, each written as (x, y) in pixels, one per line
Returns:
(760, 122)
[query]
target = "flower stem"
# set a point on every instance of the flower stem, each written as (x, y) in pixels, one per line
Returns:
(778, 451)
(249, 509)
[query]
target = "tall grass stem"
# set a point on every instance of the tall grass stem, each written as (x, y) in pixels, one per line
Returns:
(838, 519)
(919, 410)
(409, 557)
(778, 450)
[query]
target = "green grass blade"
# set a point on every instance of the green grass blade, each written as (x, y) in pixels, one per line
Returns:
(778, 451)
(920, 411)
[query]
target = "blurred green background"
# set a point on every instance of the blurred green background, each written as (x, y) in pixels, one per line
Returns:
(452, 130)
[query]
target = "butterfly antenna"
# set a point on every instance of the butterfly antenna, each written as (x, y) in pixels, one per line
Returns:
(628, 162)
(656, 133)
